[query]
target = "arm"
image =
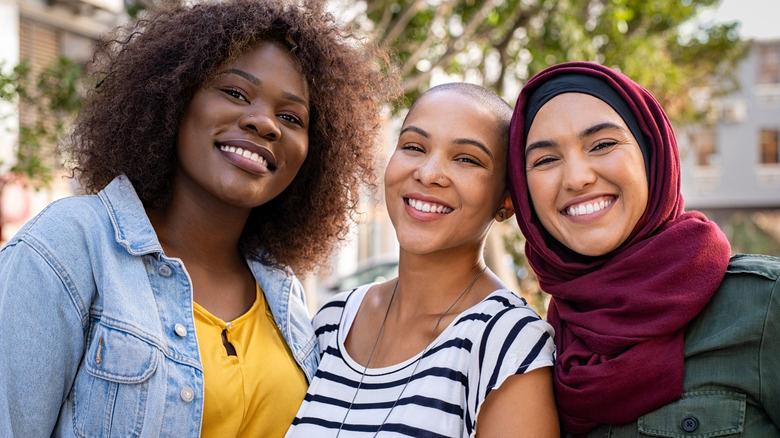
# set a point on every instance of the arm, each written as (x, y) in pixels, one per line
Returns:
(523, 406)
(42, 339)
(769, 359)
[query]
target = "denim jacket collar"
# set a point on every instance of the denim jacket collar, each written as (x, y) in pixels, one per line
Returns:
(283, 292)
(128, 217)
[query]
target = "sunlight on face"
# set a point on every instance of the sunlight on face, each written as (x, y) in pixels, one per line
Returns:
(586, 174)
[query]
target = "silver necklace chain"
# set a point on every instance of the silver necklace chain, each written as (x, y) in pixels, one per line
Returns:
(417, 362)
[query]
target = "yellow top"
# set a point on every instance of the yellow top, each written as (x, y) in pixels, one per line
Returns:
(258, 391)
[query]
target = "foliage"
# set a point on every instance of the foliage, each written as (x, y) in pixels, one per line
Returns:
(50, 100)
(500, 44)
(749, 234)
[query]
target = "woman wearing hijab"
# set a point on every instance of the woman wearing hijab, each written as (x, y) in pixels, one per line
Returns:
(658, 330)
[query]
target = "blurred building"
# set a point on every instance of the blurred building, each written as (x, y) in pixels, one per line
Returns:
(39, 32)
(731, 166)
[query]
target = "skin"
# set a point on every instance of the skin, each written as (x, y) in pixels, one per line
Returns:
(449, 156)
(258, 103)
(580, 152)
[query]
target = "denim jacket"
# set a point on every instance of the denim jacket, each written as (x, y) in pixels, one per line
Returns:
(97, 335)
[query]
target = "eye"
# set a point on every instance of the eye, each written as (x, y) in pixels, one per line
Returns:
(412, 147)
(604, 145)
(291, 118)
(543, 161)
(234, 93)
(469, 160)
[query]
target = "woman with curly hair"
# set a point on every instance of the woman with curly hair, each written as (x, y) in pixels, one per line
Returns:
(223, 147)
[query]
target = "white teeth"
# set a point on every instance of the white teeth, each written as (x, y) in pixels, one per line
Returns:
(254, 156)
(581, 209)
(428, 208)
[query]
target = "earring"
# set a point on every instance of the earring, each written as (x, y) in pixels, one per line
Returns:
(502, 213)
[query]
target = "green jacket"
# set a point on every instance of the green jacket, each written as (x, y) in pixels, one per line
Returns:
(731, 386)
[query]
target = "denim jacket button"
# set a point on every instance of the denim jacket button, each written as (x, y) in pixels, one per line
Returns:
(187, 394)
(165, 270)
(180, 330)
(689, 424)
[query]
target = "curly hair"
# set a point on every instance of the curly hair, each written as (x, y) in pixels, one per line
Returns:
(149, 70)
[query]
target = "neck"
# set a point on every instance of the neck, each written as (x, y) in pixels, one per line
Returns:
(188, 231)
(428, 285)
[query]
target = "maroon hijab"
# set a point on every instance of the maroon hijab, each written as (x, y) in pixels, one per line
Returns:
(620, 318)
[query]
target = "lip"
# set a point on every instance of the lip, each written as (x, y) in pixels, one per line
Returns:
(422, 215)
(244, 162)
(589, 199)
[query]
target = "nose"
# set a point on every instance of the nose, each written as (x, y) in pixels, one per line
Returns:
(261, 122)
(578, 174)
(432, 171)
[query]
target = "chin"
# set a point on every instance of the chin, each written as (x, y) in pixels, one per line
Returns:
(590, 250)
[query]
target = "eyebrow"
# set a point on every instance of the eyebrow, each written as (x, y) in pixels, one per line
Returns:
(256, 81)
(470, 141)
(541, 144)
(600, 127)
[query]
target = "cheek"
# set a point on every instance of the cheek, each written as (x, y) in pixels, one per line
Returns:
(303, 153)
(393, 169)
(541, 190)
(642, 196)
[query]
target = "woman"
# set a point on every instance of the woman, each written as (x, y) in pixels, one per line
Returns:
(444, 350)
(224, 145)
(658, 331)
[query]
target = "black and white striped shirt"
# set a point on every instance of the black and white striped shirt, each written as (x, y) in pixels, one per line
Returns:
(496, 338)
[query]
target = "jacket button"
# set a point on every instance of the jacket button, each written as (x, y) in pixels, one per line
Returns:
(165, 270)
(187, 394)
(180, 330)
(689, 424)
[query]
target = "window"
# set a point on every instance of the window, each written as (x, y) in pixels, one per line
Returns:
(770, 152)
(768, 64)
(704, 147)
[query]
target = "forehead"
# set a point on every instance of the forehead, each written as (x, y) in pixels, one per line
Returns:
(267, 61)
(572, 110)
(455, 114)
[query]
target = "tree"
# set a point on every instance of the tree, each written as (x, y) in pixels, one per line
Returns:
(47, 102)
(502, 43)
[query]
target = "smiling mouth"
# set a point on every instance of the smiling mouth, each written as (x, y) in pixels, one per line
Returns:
(588, 207)
(252, 156)
(427, 207)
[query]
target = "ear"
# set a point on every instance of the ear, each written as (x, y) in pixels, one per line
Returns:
(506, 210)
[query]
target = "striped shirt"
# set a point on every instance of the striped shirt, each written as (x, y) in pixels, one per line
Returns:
(496, 338)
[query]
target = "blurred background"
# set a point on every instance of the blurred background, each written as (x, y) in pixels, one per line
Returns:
(713, 65)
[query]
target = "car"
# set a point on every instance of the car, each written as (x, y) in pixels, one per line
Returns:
(372, 272)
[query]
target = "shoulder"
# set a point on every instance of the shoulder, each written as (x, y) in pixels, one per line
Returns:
(742, 316)
(755, 264)
(750, 276)
(504, 307)
(504, 321)
(65, 229)
(332, 309)
(75, 213)
(328, 318)
(54, 252)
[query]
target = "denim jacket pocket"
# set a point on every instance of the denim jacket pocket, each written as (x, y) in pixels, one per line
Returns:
(111, 389)
(698, 414)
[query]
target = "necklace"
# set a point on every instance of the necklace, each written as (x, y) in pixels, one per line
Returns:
(417, 362)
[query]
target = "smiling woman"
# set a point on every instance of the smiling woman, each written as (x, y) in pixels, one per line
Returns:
(245, 134)
(444, 349)
(593, 147)
(644, 294)
(222, 148)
